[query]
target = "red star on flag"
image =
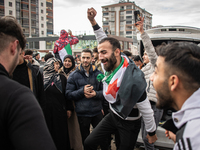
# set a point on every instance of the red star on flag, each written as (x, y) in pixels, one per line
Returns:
(125, 63)
(112, 89)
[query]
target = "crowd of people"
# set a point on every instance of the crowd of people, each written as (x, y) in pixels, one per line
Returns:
(66, 103)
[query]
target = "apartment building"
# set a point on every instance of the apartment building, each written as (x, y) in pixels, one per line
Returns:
(35, 17)
(118, 19)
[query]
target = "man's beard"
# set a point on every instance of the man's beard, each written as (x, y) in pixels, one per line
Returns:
(165, 99)
(86, 66)
(110, 62)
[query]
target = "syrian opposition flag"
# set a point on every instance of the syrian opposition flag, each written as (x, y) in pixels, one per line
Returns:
(65, 51)
(110, 90)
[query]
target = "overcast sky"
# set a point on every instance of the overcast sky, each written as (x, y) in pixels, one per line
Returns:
(72, 14)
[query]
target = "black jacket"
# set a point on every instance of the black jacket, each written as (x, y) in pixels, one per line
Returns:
(75, 91)
(35, 81)
(22, 124)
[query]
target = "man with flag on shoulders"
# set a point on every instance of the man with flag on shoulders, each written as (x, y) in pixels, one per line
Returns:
(124, 88)
(62, 46)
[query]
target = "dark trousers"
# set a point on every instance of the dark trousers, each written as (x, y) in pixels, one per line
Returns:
(128, 132)
(84, 123)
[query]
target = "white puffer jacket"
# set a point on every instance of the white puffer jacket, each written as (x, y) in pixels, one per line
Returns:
(149, 68)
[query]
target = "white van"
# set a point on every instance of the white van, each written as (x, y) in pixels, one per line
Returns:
(167, 34)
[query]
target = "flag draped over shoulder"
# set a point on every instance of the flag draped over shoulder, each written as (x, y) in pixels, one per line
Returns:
(113, 81)
(65, 51)
(123, 87)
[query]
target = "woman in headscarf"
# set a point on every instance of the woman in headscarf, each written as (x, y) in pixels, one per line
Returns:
(58, 109)
(73, 125)
(68, 66)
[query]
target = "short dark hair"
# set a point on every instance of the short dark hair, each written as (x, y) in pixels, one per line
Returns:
(87, 51)
(137, 58)
(95, 50)
(114, 42)
(28, 52)
(127, 53)
(10, 29)
(48, 55)
(36, 54)
(183, 59)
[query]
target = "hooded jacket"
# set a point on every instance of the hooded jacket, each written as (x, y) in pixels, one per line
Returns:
(75, 91)
(63, 41)
(189, 115)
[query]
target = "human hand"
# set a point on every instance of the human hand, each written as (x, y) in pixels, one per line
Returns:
(139, 25)
(87, 89)
(102, 112)
(170, 135)
(69, 113)
(91, 94)
(29, 58)
(151, 139)
(70, 32)
(91, 13)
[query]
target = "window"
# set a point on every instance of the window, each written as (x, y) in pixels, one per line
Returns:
(129, 7)
(105, 14)
(42, 25)
(128, 12)
(121, 33)
(41, 11)
(128, 32)
(121, 13)
(10, 12)
(105, 23)
(42, 4)
(128, 17)
(112, 14)
(112, 8)
(42, 32)
(10, 4)
(112, 19)
(24, 6)
(172, 29)
(128, 27)
(105, 9)
(128, 22)
(122, 8)
(121, 28)
(42, 18)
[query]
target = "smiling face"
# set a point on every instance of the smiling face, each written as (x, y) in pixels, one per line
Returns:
(86, 59)
(145, 58)
(67, 63)
(107, 56)
(160, 83)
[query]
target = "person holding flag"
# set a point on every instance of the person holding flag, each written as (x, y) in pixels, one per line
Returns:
(62, 46)
(124, 87)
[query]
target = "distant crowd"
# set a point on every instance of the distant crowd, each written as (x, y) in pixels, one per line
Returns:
(74, 103)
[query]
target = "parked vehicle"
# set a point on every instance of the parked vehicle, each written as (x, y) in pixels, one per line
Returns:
(167, 34)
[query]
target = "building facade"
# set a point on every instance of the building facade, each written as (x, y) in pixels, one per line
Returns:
(35, 17)
(118, 19)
